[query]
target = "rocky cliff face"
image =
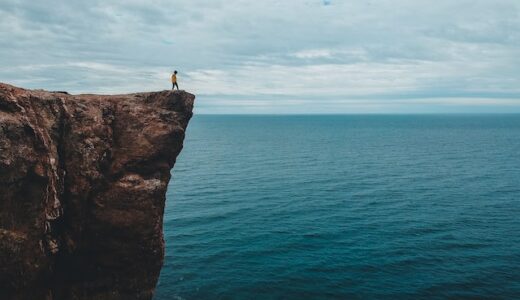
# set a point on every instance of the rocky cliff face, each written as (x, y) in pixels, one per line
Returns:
(82, 190)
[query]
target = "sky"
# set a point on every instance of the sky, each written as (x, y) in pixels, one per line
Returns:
(273, 56)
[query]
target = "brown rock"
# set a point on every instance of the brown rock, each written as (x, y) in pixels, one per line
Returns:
(82, 190)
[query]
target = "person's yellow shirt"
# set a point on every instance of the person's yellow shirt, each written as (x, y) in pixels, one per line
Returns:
(174, 78)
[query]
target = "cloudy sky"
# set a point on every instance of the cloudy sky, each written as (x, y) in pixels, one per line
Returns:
(273, 56)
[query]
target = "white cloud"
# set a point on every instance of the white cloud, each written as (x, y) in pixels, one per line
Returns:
(290, 49)
(313, 53)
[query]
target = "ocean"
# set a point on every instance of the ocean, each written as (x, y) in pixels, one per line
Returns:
(345, 207)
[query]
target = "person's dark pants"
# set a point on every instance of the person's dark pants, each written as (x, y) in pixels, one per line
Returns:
(175, 84)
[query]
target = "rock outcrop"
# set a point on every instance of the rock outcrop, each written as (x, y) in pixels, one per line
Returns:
(82, 190)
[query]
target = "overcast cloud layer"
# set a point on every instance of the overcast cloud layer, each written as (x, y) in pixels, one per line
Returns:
(269, 56)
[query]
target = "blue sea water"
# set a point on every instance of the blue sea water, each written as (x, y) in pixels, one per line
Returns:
(345, 207)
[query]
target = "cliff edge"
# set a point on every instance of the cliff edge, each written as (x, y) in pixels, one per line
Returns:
(82, 190)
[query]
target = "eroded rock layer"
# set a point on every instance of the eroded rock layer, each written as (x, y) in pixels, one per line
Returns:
(82, 189)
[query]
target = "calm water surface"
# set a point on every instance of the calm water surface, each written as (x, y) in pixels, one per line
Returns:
(345, 207)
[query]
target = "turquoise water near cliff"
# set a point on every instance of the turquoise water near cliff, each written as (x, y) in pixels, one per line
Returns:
(345, 207)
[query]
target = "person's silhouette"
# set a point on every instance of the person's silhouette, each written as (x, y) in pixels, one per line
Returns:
(174, 80)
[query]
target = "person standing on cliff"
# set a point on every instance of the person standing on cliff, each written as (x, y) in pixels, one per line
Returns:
(174, 80)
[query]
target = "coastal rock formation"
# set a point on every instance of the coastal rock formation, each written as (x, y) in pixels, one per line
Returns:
(82, 190)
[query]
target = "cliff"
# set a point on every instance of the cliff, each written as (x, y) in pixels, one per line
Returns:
(82, 190)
